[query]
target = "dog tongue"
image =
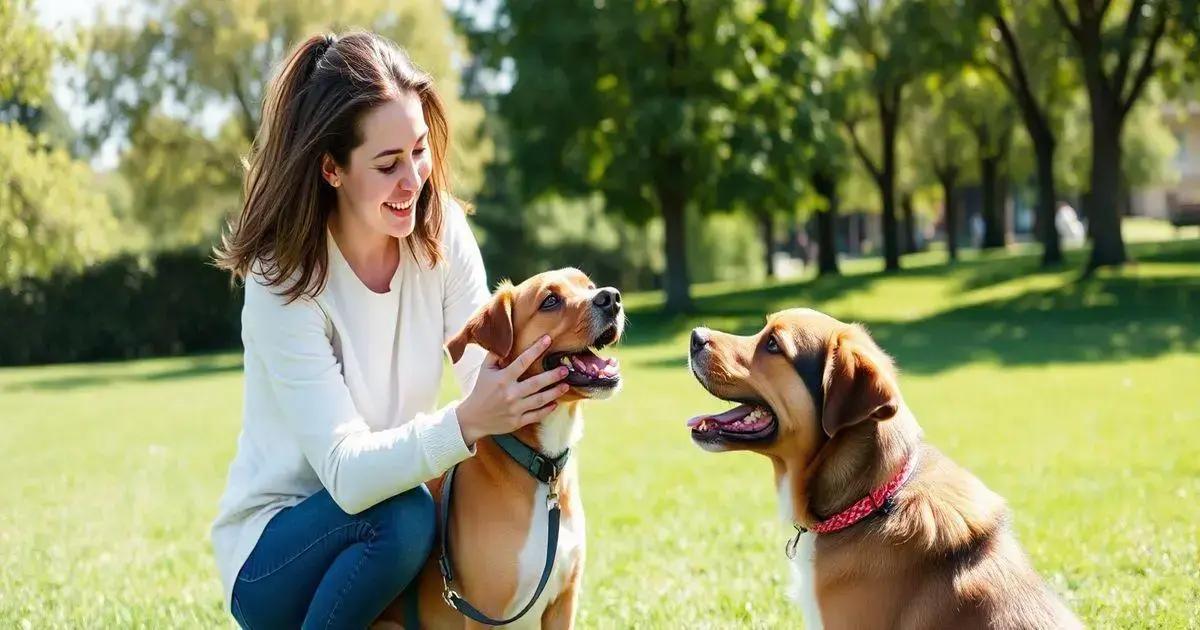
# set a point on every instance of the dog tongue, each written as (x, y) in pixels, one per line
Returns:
(590, 362)
(721, 418)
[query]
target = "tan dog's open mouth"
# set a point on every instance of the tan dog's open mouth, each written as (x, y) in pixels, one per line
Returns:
(748, 422)
(586, 368)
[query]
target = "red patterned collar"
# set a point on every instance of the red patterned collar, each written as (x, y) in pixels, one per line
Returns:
(878, 499)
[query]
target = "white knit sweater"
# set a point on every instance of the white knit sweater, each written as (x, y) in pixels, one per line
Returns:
(340, 390)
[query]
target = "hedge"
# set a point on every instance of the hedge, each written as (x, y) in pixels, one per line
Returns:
(130, 306)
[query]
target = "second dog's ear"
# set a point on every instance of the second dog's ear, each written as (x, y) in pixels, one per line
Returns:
(859, 382)
(490, 327)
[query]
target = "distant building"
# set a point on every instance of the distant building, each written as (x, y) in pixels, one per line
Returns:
(1183, 196)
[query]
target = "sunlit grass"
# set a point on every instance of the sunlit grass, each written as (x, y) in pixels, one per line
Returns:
(1077, 400)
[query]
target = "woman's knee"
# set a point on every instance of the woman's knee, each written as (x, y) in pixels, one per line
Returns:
(406, 523)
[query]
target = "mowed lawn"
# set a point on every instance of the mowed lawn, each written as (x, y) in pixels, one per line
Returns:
(1078, 400)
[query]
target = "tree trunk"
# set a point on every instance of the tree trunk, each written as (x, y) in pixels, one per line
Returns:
(887, 189)
(766, 226)
(1047, 201)
(993, 217)
(1038, 127)
(1104, 222)
(910, 224)
(671, 189)
(950, 216)
(827, 259)
(674, 203)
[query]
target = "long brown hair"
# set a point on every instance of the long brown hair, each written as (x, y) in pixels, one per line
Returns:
(312, 108)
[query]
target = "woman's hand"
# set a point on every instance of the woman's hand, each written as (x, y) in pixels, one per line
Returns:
(500, 403)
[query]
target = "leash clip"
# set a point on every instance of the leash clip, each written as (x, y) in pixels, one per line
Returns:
(551, 472)
(789, 549)
(449, 595)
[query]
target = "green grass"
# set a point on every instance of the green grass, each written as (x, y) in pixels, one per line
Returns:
(1079, 401)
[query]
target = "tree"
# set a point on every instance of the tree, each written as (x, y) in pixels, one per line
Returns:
(155, 81)
(1118, 54)
(771, 130)
(886, 45)
(792, 116)
(991, 119)
(1148, 147)
(938, 130)
(826, 152)
(828, 161)
(659, 106)
(51, 214)
(1028, 59)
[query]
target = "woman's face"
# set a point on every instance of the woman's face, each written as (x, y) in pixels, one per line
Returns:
(379, 187)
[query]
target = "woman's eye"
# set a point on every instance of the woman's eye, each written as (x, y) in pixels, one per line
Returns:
(419, 150)
(773, 345)
(388, 170)
(550, 302)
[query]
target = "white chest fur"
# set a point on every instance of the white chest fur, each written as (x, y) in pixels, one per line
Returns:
(532, 560)
(803, 590)
(558, 432)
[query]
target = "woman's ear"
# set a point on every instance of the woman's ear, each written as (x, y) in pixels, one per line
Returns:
(329, 171)
(491, 327)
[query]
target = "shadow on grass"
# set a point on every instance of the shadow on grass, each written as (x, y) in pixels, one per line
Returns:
(992, 268)
(1109, 319)
(1099, 319)
(202, 365)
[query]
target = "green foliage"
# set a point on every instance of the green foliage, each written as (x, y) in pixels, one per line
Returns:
(186, 185)
(939, 131)
(1148, 147)
(28, 54)
(50, 214)
(725, 248)
(1044, 50)
(556, 232)
(689, 107)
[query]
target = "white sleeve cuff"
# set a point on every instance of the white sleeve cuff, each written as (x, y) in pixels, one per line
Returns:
(441, 437)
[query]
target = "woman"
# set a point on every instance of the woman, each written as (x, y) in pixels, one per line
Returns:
(357, 266)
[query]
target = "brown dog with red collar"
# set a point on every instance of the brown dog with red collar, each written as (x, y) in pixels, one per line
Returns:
(500, 523)
(890, 532)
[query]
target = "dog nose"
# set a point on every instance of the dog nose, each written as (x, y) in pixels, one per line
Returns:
(699, 339)
(608, 300)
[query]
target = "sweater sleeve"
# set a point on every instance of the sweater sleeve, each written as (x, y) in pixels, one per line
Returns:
(465, 291)
(359, 467)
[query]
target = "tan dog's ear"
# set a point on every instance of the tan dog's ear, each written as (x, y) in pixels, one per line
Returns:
(491, 327)
(859, 382)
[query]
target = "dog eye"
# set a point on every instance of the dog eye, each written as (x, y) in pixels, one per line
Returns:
(550, 302)
(773, 345)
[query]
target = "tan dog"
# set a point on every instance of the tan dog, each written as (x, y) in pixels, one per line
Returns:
(890, 532)
(499, 520)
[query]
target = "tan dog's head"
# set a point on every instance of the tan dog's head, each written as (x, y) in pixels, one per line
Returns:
(802, 379)
(564, 304)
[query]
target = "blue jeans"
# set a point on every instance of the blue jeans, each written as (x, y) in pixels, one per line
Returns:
(317, 567)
